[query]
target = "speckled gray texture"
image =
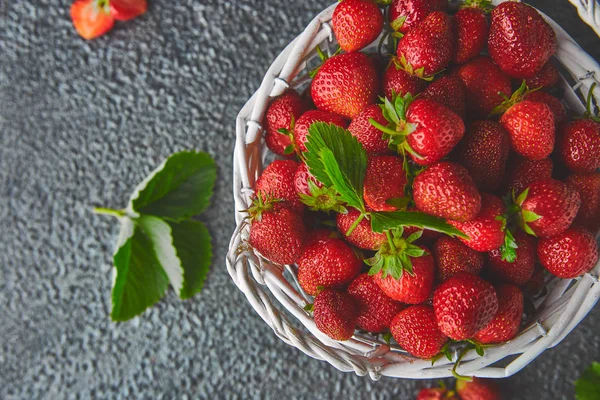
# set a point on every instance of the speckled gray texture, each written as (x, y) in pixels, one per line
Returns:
(80, 124)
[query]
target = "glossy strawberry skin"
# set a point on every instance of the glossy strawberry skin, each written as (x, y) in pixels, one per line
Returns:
(301, 179)
(429, 45)
(345, 84)
(507, 320)
(375, 309)
(555, 203)
(279, 234)
(485, 231)
(436, 394)
(530, 126)
(277, 182)
(471, 30)
(520, 41)
(448, 90)
(385, 179)
(414, 11)
(484, 152)
(483, 81)
(478, 389)
(588, 187)
(464, 304)
(369, 136)
(362, 236)
(446, 190)
(335, 314)
(438, 130)
(523, 172)
(569, 254)
(400, 82)
(329, 263)
(452, 256)
(521, 270)
(410, 289)
(579, 147)
(90, 20)
(546, 78)
(124, 10)
(310, 117)
(558, 110)
(416, 331)
(279, 115)
(356, 23)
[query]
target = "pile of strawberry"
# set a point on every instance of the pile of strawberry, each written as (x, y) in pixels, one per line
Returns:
(433, 211)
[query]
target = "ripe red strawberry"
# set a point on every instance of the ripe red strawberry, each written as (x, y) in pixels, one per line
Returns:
(277, 182)
(375, 309)
(588, 187)
(483, 81)
(558, 110)
(427, 49)
(546, 78)
(124, 10)
(530, 125)
(548, 207)
(446, 190)
(362, 236)
(345, 84)
(520, 40)
(281, 116)
(407, 14)
(320, 235)
(384, 180)
(335, 314)
(569, 254)
(277, 231)
(471, 30)
(484, 152)
(396, 81)
(437, 394)
(507, 320)
(449, 90)
(329, 263)
(310, 117)
(356, 23)
(521, 269)
(486, 231)
(416, 331)
(369, 136)
(579, 147)
(301, 179)
(452, 256)
(464, 304)
(478, 389)
(91, 18)
(523, 172)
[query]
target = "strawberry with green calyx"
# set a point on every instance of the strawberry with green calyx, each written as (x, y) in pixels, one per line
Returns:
(375, 309)
(356, 23)
(505, 324)
(516, 265)
(416, 331)
(335, 314)
(477, 389)
(398, 81)
(276, 231)
(558, 110)
(277, 181)
(471, 29)
(407, 14)
(425, 129)
(427, 49)
(362, 236)
(92, 18)
(280, 121)
(314, 195)
(368, 135)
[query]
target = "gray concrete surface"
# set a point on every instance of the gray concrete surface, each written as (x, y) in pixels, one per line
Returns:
(80, 124)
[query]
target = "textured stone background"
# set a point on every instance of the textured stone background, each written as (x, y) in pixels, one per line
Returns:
(80, 124)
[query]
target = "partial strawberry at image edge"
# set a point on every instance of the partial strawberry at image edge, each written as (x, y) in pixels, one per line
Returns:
(93, 18)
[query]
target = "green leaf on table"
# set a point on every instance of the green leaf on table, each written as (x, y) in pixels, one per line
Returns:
(382, 221)
(337, 160)
(587, 387)
(193, 243)
(178, 189)
(140, 280)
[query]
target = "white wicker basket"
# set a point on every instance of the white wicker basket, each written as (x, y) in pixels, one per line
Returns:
(567, 301)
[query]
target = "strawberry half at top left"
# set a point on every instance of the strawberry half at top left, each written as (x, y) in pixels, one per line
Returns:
(93, 18)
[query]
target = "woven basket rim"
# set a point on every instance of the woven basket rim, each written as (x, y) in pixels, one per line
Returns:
(565, 305)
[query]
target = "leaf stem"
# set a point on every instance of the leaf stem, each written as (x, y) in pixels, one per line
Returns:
(355, 224)
(109, 211)
(390, 240)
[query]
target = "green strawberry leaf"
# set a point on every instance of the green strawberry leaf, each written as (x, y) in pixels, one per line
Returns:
(587, 387)
(178, 189)
(381, 221)
(387, 337)
(140, 280)
(400, 203)
(508, 250)
(289, 150)
(337, 160)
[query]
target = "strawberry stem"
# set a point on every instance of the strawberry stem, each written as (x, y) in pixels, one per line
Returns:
(390, 240)
(109, 211)
(463, 352)
(588, 104)
(355, 224)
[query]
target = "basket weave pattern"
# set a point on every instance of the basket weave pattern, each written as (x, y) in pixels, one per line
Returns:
(566, 303)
